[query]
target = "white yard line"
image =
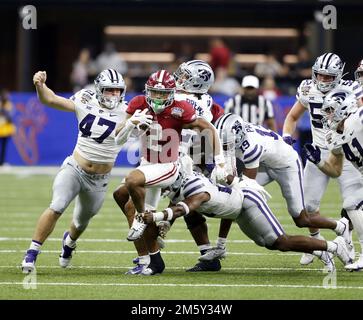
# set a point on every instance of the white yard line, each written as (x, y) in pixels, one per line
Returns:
(172, 268)
(116, 240)
(164, 252)
(216, 285)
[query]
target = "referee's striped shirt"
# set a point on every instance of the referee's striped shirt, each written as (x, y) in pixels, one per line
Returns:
(255, 111)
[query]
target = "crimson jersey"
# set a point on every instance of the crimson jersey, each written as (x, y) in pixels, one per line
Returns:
(217, 111)
(161, 142)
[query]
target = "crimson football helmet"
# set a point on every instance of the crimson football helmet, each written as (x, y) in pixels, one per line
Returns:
(160, 90)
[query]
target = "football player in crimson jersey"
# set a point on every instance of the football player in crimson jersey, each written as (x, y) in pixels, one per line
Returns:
(160, 145)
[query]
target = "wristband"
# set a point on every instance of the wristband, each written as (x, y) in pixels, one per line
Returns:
(170, 213)
(185, 206)
(158, 216)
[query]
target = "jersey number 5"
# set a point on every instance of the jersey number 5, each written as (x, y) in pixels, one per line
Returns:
(316, 118)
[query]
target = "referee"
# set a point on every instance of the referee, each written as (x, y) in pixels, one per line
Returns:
(251, 106)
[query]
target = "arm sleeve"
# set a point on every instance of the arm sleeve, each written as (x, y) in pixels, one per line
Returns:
(135, 103)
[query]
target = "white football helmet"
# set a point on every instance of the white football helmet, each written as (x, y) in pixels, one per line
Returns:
(328, 64)
(109, 78)
(195, 76)
(231, 130)
(358, 74)
(337, 106)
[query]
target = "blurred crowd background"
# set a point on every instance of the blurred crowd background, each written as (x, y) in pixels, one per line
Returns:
(277, 41)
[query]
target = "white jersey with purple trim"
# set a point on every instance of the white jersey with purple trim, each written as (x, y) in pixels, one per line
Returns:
(312, 99)
(201, 103)
(224, 202)
(97, 127)
(263, 146)
(353, 132)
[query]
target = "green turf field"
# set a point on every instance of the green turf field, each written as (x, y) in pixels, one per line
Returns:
(103, 255)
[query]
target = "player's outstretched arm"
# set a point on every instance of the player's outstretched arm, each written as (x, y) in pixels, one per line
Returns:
(180, 209)
(291, 121)
(48, 97)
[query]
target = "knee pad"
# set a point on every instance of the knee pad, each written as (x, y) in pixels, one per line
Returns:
(193, 220)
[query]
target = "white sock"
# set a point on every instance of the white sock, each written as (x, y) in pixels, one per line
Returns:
(204, 247)
(317, 235)
(144, 260)
(69, 242)
(35, 245)
(331, 247)
(221, 242)
(356, 216)
(339, 229)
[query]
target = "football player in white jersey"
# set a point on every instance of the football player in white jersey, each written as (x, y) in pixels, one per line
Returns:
(85, 174)
(193, 81)
(327, 73)
(344, 120)
(243, 203)
(266, 158)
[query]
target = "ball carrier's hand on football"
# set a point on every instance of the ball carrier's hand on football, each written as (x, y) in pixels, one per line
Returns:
(139, 119)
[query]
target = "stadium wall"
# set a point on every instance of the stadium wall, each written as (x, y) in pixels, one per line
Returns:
(45, 136)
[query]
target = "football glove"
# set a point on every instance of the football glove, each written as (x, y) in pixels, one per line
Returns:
(289, 140)
(313, 153)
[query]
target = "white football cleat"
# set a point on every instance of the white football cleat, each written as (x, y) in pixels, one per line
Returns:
(28, 263)
(351, 250)
(306, 259)
(137, 229)
(213, 253)
(66, 255)
(345, 234)
(355, 266)
(342, 250)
